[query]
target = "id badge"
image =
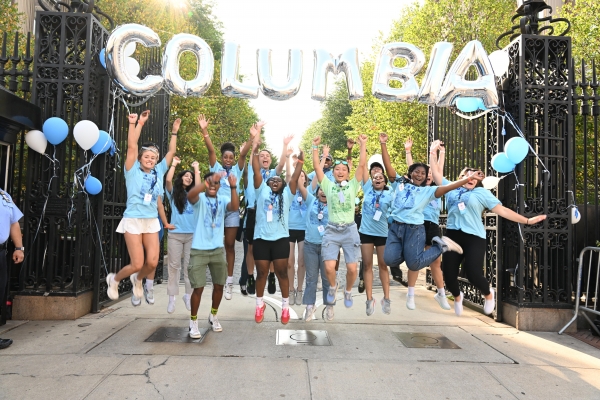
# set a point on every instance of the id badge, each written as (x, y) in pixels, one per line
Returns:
(270, 216)
(462, 208)
(401, 187)
(341, 197)
(321, 230)
(377, 215)
(148, 198)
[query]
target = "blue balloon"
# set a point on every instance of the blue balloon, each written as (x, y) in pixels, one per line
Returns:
(502, 164)
(468, 104)
(103, 143)
(481, 105)
(55, 130)
(92, 185)
(516, 149)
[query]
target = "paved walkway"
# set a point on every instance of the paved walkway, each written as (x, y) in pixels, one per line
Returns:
(105, 356)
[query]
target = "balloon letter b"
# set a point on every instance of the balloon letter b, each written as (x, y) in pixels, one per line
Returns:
(385, 72)
(347, 63)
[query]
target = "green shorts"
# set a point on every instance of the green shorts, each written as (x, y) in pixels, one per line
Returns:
(214, 260)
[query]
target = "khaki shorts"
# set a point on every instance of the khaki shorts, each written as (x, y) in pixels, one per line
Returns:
(214, 260)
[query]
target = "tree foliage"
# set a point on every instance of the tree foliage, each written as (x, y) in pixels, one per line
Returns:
(10, 17)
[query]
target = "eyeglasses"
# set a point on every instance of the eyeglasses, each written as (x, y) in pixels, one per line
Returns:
(338, 162)
(275, 180)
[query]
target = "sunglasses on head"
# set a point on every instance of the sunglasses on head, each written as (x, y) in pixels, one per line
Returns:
(338, 162)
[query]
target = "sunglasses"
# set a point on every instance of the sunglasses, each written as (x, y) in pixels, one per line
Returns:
(338, 162)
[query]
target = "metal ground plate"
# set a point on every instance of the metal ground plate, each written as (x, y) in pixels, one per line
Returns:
(171, 334)
(302, 338)
(420, 340)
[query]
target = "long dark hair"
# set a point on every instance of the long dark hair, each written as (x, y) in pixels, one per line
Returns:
(415, 166)
(179, 192)
(279, 194)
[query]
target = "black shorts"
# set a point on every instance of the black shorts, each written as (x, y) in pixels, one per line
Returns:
(271, 249)
(250, 222)
(297, 235)
(431, 230)
(369, 239)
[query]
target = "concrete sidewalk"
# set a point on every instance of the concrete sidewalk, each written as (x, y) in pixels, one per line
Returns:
(105, 356)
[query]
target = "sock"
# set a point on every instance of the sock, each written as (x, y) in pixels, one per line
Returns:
(230, 280)
(194, 317)
(285, 303)
(114, 280)
(213, 311)
(149, 283)
(442, 291)
(348, 291)
(259, 301)
(171, 298)
(411, 290)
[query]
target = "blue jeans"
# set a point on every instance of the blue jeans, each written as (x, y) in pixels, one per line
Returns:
(314, 264)
(406, 242)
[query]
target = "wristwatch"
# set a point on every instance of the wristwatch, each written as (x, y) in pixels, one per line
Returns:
(20, 248)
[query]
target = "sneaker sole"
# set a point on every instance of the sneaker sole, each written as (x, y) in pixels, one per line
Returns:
(196, 336)
(134, 288)
(108, 289)
(213, 327)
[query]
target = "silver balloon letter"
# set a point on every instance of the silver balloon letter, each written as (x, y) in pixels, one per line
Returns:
(456, 85)
(230, 66)
(174, 83)
(385, 72)
(294, 77)
(347, 62)
(115, 58)
(436, 70)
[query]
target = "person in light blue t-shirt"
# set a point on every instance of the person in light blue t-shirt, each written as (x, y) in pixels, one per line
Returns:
(140, 225)
(210, 209)
(229, 165)
(297, 225)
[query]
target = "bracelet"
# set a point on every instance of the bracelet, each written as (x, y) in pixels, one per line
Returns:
(205, 136)
(408, 151)
(255, 154)
(443, 152)
(382, 142)
(527, 221)
(173, 166)
(300, 161)
(233, 187)
(315, 147)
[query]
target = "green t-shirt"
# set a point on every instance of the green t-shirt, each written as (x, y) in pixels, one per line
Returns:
(340, 212)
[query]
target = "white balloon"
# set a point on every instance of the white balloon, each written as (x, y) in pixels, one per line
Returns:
(86, 134)
(132, 66)
(36, 141)
(575, 215)
(490, 182)
(500, 62)
(130, 49)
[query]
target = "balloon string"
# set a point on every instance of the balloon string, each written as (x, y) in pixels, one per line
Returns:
(516, 189)
(94, 223)
(514, 125)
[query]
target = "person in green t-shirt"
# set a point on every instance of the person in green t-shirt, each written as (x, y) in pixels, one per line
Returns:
(340, 232)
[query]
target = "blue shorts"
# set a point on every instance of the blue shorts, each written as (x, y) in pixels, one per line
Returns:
(232, 219)
(341, 236)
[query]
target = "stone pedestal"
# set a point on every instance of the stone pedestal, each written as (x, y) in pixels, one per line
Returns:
(52, 307)
(537, 319)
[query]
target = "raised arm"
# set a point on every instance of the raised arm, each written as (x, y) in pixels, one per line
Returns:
(316, 163)
(391, 172)
(212, 156)
(173, 142)
(297, 171)
(408, 143)
(301, 185)
(441, 158)
(171, 173)
(286, 143)
(199, 187)
(362, 159)
(255, 130)
(133, 136)
(442, 190)
(436, 171)
(234, 204)
(288, 168)
(513, 216)
(255, 163)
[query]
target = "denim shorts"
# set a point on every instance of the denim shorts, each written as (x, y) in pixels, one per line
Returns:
(232, 219)
(341, 236)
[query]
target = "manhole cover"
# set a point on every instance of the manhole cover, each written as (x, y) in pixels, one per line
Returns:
(172, 334)
(419, 340)
(302, 338)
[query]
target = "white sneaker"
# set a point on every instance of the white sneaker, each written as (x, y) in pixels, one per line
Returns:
(410, 302)
(451, 245)
(489, 305)
(292, 297)
(442, 301)
(194, 331)
(171, 306)
(370, 307)
(310, 311)
(149, 295)
(136, 301)
(329, 313)
(214, 321)
(186, 299)
(112, 291)
(136, 285)
(228, 291)
(458, 305)
(299, 295)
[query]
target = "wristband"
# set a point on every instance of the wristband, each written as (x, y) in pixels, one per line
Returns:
(205, 136)
(233, 187)
(300, 161)
(20, 248)
(382, 142)
(442, 152)
(173, 166)
(315, 147)
(527, 221)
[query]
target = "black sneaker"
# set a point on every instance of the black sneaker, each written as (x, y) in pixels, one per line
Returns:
(4, 343)
(243, 290)
(361, 286)
(251, 288)
(396, 274)
(271, 288)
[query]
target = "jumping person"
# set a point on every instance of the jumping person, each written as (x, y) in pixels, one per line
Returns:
(210, 209)
(140, 225)
(341, 230)
(297, 225)
(229, 166)
(271, 241)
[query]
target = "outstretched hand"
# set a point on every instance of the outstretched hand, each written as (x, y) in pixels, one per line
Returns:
(288, 139)
(350, 143)
(195, 165)
(362, 139)
(232, 180)
(144, 117)
(326, 149)
(133, 118)
(176, 161)
(475, 176)
(176, 125)
(316, 141)
(408, 144)
(383, 138)
(203, 122)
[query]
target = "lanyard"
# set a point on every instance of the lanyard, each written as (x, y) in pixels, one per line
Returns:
(228, 171)
(461, 191)
(154, 179)
(320, 210)
(214, 208)
(273, 200)
(265, 173)
(376, 197)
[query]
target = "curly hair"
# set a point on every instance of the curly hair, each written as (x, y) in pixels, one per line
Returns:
(415, 166)
(228, 146)
(180, 192)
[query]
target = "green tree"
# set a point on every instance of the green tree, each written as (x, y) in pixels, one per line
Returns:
(10, 17)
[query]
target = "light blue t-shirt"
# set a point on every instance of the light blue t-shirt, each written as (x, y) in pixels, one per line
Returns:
(371, 199)
(139, 184)
(184, 223)
(250, 192)
(9, 214)
(298, 212)
(209, 214)
(432, 211)
(315, 207)
(311, 176)
(409, 201)
(475, 202)
(278, 227)
(224, 189)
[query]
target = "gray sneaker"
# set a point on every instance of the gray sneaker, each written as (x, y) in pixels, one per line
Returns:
(135, 301)
(386, 306)
(309, 312)
(292, 297)
(370, 307)
(328, 313)
(299, 295)
(149, 295)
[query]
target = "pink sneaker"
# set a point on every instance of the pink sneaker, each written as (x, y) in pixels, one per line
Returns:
(260, 313)
(285, 316)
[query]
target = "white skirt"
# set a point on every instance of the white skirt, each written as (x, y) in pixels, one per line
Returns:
(137, 226)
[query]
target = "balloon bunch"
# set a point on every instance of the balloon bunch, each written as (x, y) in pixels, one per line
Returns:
(132, 66)
(515, 151)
